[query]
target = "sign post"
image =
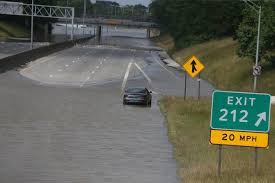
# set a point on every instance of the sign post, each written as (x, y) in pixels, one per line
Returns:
(193, 67)
(199, 88)
(220, 160)
(240, 119)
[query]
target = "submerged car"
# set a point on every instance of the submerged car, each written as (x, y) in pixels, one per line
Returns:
(137, 96)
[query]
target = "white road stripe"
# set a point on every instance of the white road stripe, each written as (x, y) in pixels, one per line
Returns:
(41, 61)
(145, 75)
(126, 76)
(84, 82)
(171, 73)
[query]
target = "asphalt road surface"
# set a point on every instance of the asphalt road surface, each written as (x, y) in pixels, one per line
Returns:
(11, 48)
(62, 118)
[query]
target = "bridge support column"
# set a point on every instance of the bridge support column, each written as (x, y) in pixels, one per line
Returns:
(46, 32)
(98, 34)
(148, 32)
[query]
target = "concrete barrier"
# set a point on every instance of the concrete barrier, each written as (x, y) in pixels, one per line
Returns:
(273, 100)
(171, 63)
(16, 61)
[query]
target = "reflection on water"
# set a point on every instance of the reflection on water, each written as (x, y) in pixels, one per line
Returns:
(111, 35)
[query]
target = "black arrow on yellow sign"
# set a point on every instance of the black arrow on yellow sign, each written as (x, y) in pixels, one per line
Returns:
(194, 69)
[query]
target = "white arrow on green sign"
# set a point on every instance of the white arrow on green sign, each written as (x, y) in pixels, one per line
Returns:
(239, 111)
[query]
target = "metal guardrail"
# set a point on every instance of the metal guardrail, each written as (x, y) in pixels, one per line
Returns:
(36, 10)
(15, 8)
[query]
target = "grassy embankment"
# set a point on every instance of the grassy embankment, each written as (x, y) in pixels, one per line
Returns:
(12, 30)
(188, 121)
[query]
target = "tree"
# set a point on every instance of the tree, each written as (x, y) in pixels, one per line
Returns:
(195, 21)
(247, 32)
(78, 5)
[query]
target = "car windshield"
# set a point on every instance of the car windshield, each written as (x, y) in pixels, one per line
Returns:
(136, 90)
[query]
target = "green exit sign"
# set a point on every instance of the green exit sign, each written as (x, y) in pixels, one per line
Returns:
(239, 111)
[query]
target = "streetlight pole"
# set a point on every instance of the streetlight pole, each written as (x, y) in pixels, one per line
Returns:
(32, 26)
(84, 13)
(67, 4)
(258, 47)
(258, 9)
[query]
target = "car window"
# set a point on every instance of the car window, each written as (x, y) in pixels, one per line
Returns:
(136, 90)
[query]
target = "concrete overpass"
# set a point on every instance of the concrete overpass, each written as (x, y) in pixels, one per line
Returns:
(150, 26)
(116, 22)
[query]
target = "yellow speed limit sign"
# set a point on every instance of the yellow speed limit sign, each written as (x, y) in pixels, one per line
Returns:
(193, 66)
(237, 138)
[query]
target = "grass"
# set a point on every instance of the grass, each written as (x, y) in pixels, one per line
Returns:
(188, 121)
(12, 30)
(224, 69)
(165, 42)
(188, 127)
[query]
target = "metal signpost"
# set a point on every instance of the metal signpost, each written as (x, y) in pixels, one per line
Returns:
(67, 4)
(84, 13)
(256, 69)
(240, 119)
(193, 67)
(32, 14)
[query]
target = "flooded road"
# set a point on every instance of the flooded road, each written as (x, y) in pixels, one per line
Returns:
(62, 118)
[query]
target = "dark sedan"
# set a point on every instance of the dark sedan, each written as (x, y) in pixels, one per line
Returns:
(137, 96)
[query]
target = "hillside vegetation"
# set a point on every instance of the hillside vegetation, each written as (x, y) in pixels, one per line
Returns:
(196, 21)
(12, 30)
(224, 68)
(188, 121)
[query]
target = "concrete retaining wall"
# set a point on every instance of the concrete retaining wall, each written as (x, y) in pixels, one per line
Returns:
(20, 59)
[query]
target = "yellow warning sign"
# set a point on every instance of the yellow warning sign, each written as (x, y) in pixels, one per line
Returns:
(193, 66)
(236, 138)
